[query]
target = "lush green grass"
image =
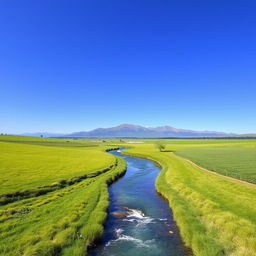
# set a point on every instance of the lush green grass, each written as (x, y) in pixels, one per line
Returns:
(216, 215)
(66, 184)
(26, 138)
(201, 142)
(237, 162)
(26, 166)
(66, 196)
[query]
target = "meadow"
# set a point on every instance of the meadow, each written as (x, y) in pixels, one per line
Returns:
(216, 215)
(236, 162)
(54, 199)
(25, 166)
(54, 196)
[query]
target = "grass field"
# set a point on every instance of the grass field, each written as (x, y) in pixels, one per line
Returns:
(237, 162)
(26, 166)
(53, 198)
(216, 215)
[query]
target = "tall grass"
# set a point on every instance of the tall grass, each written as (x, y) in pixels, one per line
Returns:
(216, 216)
(64, 221)
(70, 215)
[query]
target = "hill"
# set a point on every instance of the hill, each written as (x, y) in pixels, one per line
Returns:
(137, 131)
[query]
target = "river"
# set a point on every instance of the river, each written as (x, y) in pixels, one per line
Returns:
(140, 221)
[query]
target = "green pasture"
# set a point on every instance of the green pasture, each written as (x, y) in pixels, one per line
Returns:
(237, 162)
(53, 197)
(25, 166)
(216, 215)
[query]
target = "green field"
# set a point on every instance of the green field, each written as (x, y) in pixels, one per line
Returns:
(35, 165)
(237, 162)
(216, 215)
(53, 197)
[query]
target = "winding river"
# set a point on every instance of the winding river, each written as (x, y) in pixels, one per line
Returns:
(140, 221)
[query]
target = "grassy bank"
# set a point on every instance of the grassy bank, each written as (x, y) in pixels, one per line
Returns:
(67, 218)
(216, 216)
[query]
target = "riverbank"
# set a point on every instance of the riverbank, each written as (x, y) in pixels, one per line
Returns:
(55, 197)
(140, 221)
(215, 216)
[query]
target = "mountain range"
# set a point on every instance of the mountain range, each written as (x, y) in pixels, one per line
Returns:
(137, 131)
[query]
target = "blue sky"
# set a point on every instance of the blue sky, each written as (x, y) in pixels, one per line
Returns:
(76, 65)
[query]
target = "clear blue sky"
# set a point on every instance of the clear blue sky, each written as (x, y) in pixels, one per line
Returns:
(76, 65)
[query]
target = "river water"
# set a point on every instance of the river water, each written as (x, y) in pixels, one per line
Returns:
(140, 221)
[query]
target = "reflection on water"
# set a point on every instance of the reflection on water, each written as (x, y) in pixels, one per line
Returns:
(140, 221)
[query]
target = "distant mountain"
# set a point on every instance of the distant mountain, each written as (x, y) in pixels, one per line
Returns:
(137, 131)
